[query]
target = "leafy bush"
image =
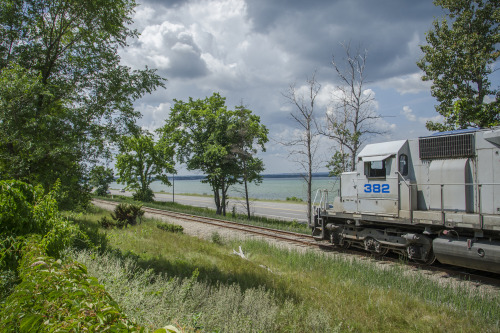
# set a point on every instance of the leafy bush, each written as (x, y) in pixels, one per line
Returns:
(170, 227)
(216, 238)
(127, 214)
(294, 199)
(59, 296)
(145, 196)
(106, 222)
(25, 209)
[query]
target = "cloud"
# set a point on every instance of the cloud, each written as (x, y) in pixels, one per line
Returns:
(408, 113)
(406, 84)
(251, 50)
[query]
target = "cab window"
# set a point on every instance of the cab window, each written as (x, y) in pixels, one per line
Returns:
(375, 169)
(403, 164)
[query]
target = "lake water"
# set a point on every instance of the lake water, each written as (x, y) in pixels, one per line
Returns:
(269, 189)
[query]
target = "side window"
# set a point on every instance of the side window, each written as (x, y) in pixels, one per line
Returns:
(375, 169)
(403, 164)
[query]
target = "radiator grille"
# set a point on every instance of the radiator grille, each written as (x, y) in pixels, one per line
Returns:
(446, 146)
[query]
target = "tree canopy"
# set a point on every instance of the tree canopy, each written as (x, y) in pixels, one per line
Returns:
(64, 94)
(458, 58)
(100, 178)
(212, 139)
(141, 161)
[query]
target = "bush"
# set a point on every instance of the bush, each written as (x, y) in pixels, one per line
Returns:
(127, 214)
(170, 227)
(294, 199)
(25, 209)
(144, 196)
(66, 299)
(106, 222)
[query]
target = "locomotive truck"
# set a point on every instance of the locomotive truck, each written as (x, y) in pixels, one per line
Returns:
(435, 197)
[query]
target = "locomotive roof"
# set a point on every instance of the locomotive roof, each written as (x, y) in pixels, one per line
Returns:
(454, 132)
(382, 149)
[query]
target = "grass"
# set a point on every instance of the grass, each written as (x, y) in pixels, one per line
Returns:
(202, 285)
(206, 212)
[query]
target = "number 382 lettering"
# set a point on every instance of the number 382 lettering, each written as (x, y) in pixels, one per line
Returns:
(377, 188)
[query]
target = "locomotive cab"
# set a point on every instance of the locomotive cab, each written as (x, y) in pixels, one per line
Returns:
(374, 187)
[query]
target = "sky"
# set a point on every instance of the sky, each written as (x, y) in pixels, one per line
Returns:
(251, 51)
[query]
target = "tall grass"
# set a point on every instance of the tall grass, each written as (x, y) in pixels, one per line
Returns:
(156, 299)
(298, 291)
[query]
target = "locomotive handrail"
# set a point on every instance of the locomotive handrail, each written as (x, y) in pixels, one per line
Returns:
(410, 206)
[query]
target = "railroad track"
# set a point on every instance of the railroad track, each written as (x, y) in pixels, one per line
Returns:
(309, 241)
(288, 236)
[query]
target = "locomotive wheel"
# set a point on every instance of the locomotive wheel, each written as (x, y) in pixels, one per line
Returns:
(431, 258)
(381, 253)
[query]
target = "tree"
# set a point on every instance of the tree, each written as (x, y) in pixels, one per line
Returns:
(208, 137)
(141, 161)
(64, 94)
(303, 148)
(351, 120)
(248, 135)
(100, 178)
(459, 59)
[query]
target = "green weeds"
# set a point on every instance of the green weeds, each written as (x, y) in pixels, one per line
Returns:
(202, 285)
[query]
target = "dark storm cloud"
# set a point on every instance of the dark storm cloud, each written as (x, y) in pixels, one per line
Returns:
(313, 30)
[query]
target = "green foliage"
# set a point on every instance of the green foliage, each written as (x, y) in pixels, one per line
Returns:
(146, 195)
(216, 238)
(63, 93)
(340, 162)
(24, 210)
(127, 214)
(216, 141)
(459, 59)
(59, 296)
(170, 227)
(141, 161)
(106, 222)
(294, 199)
(100, 178)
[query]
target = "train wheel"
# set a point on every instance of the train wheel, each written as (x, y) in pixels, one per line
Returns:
(431, 258)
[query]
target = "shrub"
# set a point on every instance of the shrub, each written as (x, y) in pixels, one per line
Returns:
(66, 299)
(127, 214)
(170, 227)
(25, 209)
(106, 222)
(216, 238)
(146, 195)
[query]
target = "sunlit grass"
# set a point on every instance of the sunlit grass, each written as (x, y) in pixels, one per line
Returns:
(299, 291)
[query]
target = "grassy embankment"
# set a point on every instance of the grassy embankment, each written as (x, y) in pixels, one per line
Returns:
(206, 212)
(159, 277)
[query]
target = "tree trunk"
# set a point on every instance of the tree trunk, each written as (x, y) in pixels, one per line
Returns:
(246, 187)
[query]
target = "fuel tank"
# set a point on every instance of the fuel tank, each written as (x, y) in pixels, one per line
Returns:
(482, 254)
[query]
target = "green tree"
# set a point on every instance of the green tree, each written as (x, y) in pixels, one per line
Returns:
(208, 137)
(100, 178)
(248, 135)
(459, 58)
(141, 161)
(64, 95)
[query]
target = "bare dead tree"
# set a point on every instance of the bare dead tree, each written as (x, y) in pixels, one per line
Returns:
(351, 119)
(303, 148)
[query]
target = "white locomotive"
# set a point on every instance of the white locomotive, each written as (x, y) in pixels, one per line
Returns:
(435, 197)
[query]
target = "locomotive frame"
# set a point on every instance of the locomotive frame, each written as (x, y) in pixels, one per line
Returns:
(435, 197)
